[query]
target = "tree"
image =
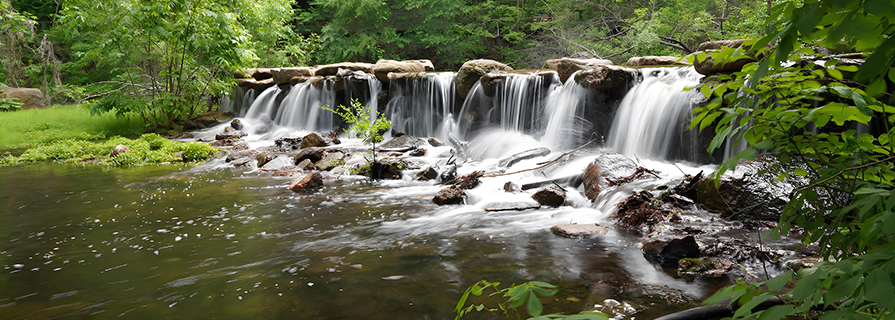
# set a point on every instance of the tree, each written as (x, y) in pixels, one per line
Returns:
(848, 204)
(16, 30)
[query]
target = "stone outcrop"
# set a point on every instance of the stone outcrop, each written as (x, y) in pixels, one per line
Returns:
(550, 196)
(567, 66)
(29, 97)
(383, 67)
(655, 61)
(473, 70)
(333, 69)
(604, 77)
(262, 74)
(285, 75)
(578, 230)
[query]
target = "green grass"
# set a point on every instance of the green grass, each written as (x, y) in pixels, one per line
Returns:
(149, 148)
(28, 128)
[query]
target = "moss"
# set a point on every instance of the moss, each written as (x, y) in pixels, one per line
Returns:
(148, 149)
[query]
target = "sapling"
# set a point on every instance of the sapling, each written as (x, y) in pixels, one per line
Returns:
(369, 131)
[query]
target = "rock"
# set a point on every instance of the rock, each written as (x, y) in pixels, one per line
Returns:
(29, 97)
(311, 153)
(288, 171)
(119, 149)
(705, 268)
(383, 67)
(746, 193)
(806, 262)
(578, 230)
(330, 161)
(471, 71)
(287, 144)
(242, 74)
(242, 162)
(306, 165)
(285, 75)
(511, 187)
(708, 66)
(669, 253)
(313, 140)
(591, 179)
(403, 142)
(449, 195)
(550, 196)
(417, 152)
(565, 67)
(447, 174)
(655, 61)
(262, 74)
(261, 85)
(310, 181)
(236, 124)
(233, 155)
(615, 166)
(229, 129)
(296, 80)
(524, 155)
(573, 181)
(427, 174)
(333, 69)
(490, 80)
(212, 118)
(512, 206)
(230, 135)
(435, 142)
(717, 44)
(277, 163)
(604, 77)
(264, 158)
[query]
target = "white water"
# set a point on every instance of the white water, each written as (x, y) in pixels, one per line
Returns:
(654, 113)
(301, 107)
(420, 102)
(564, 115)
(265, 104)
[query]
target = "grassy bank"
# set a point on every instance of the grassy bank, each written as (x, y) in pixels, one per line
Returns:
(27, 128)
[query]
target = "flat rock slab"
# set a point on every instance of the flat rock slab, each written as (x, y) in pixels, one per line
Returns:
(578, 230)
(511, 206)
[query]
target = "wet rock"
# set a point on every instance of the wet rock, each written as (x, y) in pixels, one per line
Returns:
(236, 124)
(448, 173)
(639, 173)
(511, 187)
(211, 118)
(746, 193)
(669, 253)
(512, 206)
(802, 263)
(417, 152)
(229, 135)
(233, 155)
(310, 181)
(330, 161)
(241, 162)
(284, 75)
(578, 230)
(655, 61)
(277, 163)
(524, 155)
(703, 268)
(333, 69)
(262, 74)
(29, 97)
(264, 158)
(640, 211)
(311, 153)
(297, 80)
(449, 195)
(288, 171)
(232, 142)
(261, 85)
(427, 174)
(472, 70)
(306, 165)
(403, 142)
(614, 166)
(383, 67)
(490, 80)
(313, 140)
(229, 129)
(550, 196)
(565, 67)
(471, 180)
(435, 142)
(119, 149)
(287, 144)
(604, 77)
(591, 179)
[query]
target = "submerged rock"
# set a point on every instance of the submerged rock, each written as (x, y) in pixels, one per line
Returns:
(310, 181)
(234, 155)
(119, 149)
(472, 71)
(578, 230)
(449, 195)
(550, 196)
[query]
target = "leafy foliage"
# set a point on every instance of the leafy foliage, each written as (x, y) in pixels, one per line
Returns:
(8, 104)
(811, 115)
(358, 116)
(517, 295)
(148, 149)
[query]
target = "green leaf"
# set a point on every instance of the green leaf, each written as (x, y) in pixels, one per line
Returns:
(800, 172)
(777, 283)
(535, 308)
(542, 284)
(876, 88)
(746, 308)
(776, 312)
(764, 145)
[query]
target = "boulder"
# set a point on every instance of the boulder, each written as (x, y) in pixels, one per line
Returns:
(242, 74)
(230, 135)
(669, 253)
(287, 144)
(403, 142)
(264, 158)
(233, 155)
(427, 174)
(333, 69)
(211, 118)
(472, 71)
(707, 66)
(330, 161)
(262, 74)
(285, 75)
(119, 149)
(236, 124)
(550, 196)
(288, 171)
(448, 173)
(435, 142)
(591, 179)
(310, 181)
(717, 44)
(655, 61)
(578, 230)
(229, 129)
(604, 77)
(261, 85)
(277, 163)
(29, 97)
(383, 67)
(490, 80)
(524, 155)
(511, 187)
(512, 206)
(449, 195)
(311, 153)
(313, 140)
(306, 165)
(565, 67)
(746, 193)
(615, 166)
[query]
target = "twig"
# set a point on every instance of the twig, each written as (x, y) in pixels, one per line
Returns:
(618, 53)
(840, 173)
(544, 165)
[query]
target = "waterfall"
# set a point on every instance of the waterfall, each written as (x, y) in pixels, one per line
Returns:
(247, 99)
(420, 102)
(565, 115)
(654, 115)
(264, 104)
(301, 107)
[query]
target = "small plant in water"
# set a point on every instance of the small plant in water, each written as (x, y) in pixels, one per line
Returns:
(517, 295)
(362, 127)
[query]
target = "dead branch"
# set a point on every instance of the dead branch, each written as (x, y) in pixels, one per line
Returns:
(544, 165)
(674, 43)
(618, 53)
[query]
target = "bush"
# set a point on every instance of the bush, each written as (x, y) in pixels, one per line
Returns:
(147, 149)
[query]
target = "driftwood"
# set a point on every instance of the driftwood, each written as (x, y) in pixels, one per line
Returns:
(574, 181)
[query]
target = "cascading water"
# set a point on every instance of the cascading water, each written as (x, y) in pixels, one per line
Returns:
(654, 114)
(420, 102)
(263, 105)
(247, 99)
(565, 117)
(301, 107)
